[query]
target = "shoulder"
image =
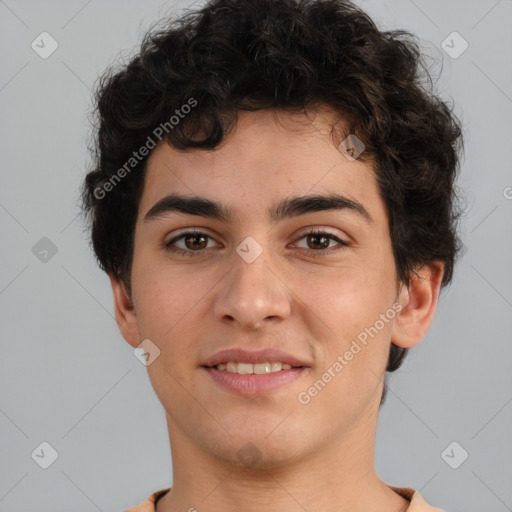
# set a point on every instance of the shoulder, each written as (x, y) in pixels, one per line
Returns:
(418, 503)
(148, 505)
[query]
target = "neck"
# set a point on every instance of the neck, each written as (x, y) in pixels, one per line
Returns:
(336, 477)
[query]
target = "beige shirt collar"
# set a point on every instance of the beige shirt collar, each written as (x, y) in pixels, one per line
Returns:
(418, 504)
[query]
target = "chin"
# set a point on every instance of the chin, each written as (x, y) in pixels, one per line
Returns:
(262, 448)
(255, 456)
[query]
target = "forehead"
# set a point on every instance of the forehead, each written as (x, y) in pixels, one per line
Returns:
(269, 155)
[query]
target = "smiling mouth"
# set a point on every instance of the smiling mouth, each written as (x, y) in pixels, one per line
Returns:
(250, 369)
(244, 379)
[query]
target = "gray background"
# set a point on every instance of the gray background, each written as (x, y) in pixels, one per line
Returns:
(69, 378)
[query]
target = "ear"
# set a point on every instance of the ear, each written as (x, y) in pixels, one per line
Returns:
(418, 303)
(126, 317)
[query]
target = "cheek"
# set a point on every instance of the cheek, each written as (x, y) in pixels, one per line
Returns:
(348, 377)
(348, 298)
(353, 302)
(164, 303)
(163, 293)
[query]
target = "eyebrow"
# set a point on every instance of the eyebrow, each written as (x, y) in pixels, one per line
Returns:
(287, 208)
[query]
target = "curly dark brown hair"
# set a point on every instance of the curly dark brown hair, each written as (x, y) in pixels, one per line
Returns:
(245, 55)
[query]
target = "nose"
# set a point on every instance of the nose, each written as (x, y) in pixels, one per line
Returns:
(252, 294)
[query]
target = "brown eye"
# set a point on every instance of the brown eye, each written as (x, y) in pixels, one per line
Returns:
(195, 240)
(317, 243)
(191, 243)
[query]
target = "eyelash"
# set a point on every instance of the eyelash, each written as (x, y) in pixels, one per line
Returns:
(310, 252)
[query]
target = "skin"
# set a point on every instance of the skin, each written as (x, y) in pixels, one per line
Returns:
(314, 457)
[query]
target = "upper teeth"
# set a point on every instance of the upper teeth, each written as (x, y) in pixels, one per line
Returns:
(248, 368)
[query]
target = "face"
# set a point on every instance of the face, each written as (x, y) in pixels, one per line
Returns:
(308, 281)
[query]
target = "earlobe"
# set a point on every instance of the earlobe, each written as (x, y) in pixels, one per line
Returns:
(126, 317)
(418, 303)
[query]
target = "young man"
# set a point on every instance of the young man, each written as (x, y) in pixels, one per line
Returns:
(273, 201)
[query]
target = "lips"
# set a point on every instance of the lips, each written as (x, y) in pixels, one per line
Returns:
(254, 357)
